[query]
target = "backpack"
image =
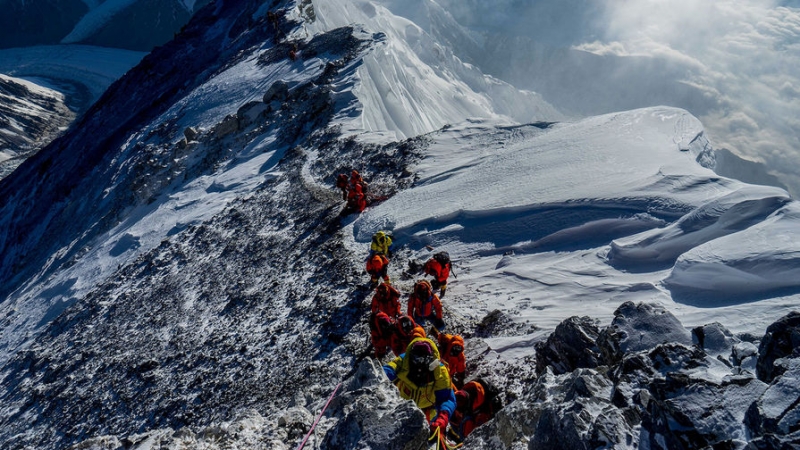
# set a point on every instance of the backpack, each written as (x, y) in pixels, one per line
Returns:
(491, 394)
(442, 258)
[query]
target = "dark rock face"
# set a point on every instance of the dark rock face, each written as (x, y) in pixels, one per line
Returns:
(571, 346)
(781, 340)
(775, 416)
(654, 387)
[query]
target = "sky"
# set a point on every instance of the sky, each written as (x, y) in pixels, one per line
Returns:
(741, 56)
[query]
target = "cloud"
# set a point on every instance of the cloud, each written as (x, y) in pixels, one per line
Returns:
(737, 60)
(743, 52)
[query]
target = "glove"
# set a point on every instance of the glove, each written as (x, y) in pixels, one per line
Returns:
(440, 421)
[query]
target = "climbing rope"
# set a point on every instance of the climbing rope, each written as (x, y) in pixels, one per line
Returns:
(319, 417)
(441, 441)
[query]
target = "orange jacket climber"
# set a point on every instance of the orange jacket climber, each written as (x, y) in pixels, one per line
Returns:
(451, 347)
(386, 299)
(438, 267)
(476, 404)
(424, 305)
(378, 267)
(405, 331)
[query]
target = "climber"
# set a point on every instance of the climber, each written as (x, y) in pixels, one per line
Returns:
(386, 299)
(357, 180)
(381, 244)
(356, 201)
(342, 182)
(424, 305)
(476, 403)
(405, 331)
(451, 347)
(439, 267)
(421, 377)
(378, 267)
(381, 328)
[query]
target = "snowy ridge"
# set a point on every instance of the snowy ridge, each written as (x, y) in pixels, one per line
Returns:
(189, 281)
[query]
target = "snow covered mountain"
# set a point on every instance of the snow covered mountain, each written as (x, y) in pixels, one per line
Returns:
(104, 23)
(174, 270)
(30, 115)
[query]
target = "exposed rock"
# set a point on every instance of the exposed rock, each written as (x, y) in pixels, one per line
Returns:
(640, 327)
(229, 124)
(578, 414)
(691, 413)
(715, 339)
(776, 414)
(745, 356)
(781, 339)
(571, 346)
(371, 414)
(296, 420)
(278, 91)
(190, 133)
(249, 112)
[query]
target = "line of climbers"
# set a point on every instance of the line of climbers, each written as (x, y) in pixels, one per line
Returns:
(429, 369)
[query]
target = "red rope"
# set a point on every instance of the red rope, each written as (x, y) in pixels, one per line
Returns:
(319, 417)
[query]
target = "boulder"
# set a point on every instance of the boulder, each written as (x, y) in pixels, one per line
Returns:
(715, 340)
(782, 339)
(279, 91)
(572, 345)
(229, 124)
(640, 328)
(249, 112)
(190, 133)
(776, 413)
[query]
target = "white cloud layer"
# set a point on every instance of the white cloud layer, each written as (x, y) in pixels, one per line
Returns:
(743, 52)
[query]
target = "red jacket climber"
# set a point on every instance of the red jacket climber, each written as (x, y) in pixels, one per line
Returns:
(356, 200)
(378, 267)
(386, 299)
(475, 405)
(342, 182)
(405, 331)
(439, 267)
(424, 305)
(381, 329)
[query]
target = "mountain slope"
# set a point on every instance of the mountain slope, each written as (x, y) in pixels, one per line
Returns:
(186, 278)
(31, 115)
